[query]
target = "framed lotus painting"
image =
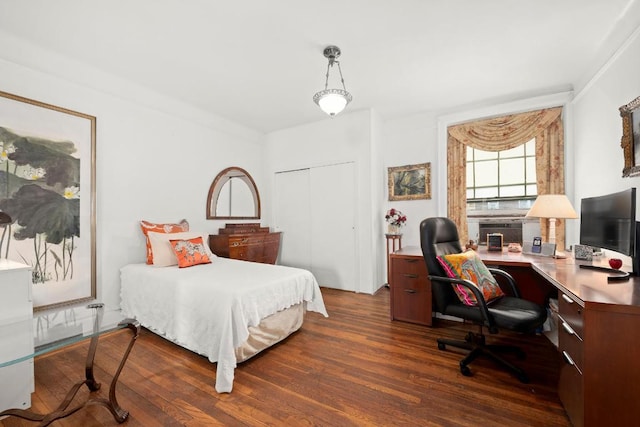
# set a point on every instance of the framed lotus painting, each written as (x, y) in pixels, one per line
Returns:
(47, 189)
(410, 182)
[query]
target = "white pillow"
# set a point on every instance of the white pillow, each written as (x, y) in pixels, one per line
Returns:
(163, 254)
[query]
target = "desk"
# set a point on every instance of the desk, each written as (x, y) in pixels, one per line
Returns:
(55, 329)
(599, 336)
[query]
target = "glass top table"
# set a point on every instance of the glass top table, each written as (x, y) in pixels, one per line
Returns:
(28, 337)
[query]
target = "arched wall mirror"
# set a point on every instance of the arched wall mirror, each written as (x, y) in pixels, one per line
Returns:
(233, 195)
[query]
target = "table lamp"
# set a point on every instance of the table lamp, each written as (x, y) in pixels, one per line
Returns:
(552, 206)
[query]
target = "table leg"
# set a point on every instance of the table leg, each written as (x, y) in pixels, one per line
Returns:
(111, 404)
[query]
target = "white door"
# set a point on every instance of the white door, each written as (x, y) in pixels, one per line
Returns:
(333, 201)
(315, 210)
(293, 217)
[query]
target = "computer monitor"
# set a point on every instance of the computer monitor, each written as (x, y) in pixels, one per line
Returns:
(609, 222)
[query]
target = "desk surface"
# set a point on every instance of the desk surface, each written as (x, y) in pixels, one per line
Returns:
(588, 287)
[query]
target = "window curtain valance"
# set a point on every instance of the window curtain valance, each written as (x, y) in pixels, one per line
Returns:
(506, 132)
(503, 133)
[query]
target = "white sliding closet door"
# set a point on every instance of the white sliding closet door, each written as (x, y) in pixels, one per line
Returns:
(333, 201)
(315, 209)
(293, 217)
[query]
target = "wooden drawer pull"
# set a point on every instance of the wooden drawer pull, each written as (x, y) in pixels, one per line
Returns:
(411, 260)
(567, 299)
(410, 291)
(411, 276)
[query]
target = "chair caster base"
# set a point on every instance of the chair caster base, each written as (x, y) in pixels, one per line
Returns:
(464, 370)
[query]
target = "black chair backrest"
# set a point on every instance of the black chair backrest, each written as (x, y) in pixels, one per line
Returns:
(439, 236)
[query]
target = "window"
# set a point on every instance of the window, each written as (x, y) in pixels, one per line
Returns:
(501, 180)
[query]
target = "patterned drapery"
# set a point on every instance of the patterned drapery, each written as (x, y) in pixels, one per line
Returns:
(503, 133)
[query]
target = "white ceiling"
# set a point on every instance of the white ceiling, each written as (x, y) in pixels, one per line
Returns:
(259, 62)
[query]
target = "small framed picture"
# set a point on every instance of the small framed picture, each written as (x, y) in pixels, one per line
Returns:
(536, 248)
(410, 182)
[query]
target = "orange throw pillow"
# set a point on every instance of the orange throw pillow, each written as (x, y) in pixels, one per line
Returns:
(190, 252)
(147, 226)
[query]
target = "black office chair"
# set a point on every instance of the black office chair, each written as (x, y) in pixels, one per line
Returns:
(439, 236)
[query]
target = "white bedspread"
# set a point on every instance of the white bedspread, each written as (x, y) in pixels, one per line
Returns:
(208, 308)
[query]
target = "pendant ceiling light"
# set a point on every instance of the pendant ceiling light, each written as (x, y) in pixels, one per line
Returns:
(332, 101)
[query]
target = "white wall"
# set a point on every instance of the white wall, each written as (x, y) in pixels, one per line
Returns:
(153, 163)
(409, 141)
(598, 127)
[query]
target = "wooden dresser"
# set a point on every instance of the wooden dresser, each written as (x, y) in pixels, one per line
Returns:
(248, 242)
(410, 287)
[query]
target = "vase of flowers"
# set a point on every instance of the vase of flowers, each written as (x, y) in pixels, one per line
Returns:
(395, 220)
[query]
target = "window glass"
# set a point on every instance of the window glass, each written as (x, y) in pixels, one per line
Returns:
(486, 173)
(486, 192)
(470, 175)
(530, 148)
(503, 179)
(514, 152)
(484, 155)
(512, 191)
(511, 171)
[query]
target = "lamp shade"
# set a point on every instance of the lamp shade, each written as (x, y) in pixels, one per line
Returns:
(552, 206)
(332, 101)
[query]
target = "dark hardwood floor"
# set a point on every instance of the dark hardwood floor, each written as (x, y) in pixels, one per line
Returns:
(354, 368)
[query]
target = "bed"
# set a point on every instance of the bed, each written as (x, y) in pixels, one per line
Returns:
(227, 310)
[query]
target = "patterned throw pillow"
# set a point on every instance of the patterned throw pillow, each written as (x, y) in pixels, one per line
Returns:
(147, 226)
(469, 266)
(163, 253)
(190, 252)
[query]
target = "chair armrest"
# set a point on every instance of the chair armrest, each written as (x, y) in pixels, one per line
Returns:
(512, 282)
(482, 303)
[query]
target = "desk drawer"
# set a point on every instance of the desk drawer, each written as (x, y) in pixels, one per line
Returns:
(571, 393)
(415, 266)
(411, 299)
(572, 313)
(570, 344)
(409, 282)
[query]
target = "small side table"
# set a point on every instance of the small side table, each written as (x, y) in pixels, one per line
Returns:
(394, 243)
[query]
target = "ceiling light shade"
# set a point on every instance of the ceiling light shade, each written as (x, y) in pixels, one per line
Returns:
(332, 101)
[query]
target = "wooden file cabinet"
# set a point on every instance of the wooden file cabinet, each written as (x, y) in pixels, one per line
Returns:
(571, 348)
(410, 287)
(599, 345)
(247, 242)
